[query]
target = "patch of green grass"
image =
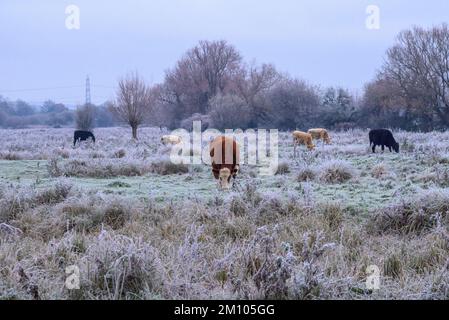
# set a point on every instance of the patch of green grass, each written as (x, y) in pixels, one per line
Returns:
(365, 194)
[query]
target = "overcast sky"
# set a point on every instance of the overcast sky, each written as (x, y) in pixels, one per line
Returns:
(323, 41)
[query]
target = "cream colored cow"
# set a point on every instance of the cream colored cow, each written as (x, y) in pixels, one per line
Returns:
(300, 137)
(320, 133)
(170, 139)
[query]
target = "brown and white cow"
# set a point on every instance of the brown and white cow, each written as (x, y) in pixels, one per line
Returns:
(225, 160)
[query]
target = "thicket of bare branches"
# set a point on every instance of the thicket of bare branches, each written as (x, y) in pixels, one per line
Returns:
(209, 68)
(229, 111)
(415, 79)
(85, 117)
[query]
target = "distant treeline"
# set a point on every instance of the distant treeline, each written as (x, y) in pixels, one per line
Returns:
(20, 114)
(211, 82)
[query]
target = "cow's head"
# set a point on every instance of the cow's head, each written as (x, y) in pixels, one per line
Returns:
(225, 178)
(396, 147)
(235, 171)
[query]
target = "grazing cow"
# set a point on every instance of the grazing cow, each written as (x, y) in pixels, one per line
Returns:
(382, 137)
(170, 139)
(320, 133)
(300, 137)
(225, 159)
(81, 135)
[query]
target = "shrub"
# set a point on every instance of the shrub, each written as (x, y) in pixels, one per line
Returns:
(440, 287)
(332, 214)
(260, 261)
(85, 117)
(119, 267)
(115, 215)
(63, 153)
(120, 153)
(90, 213)
(283, 168)
(53, 167)
(308, 280)
(98, 168)
(305, 173)
(393, 266)
(10, 156)
(119, 184)
(229, 111)
(187, 123)
(14, 201)
(336, 171)
(238, 206)
(412, 215)
(166, 167)
(53, 195)
(379, 171)
(270, 207)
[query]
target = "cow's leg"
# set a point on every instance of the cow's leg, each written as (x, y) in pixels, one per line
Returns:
(374, 148)
(389, 148)
(235, 185)
(383, 148)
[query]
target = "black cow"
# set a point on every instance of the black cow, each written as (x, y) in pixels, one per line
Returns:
(81, 135)
(382, 137)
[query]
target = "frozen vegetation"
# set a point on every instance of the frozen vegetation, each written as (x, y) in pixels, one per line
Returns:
(140, 227)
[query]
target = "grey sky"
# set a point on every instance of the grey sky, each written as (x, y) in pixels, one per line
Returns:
(325, 42)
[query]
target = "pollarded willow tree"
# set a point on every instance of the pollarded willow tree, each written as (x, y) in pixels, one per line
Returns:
(419, 64)
(134, 102)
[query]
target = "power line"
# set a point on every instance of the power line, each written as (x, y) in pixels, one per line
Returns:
(65, 100)
(54, 88)
(40, 89)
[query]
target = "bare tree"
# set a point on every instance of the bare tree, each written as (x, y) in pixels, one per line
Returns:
(204, 71)
(256, 79)
(252, 83)
(229, 112)
(419, 64)
(134, 101)
(293, 104)
(85, 117)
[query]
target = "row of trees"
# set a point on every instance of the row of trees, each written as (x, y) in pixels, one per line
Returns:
(212, 83)
(411, 91)
(19, 114)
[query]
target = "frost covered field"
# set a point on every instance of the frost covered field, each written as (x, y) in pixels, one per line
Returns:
(138, 227)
